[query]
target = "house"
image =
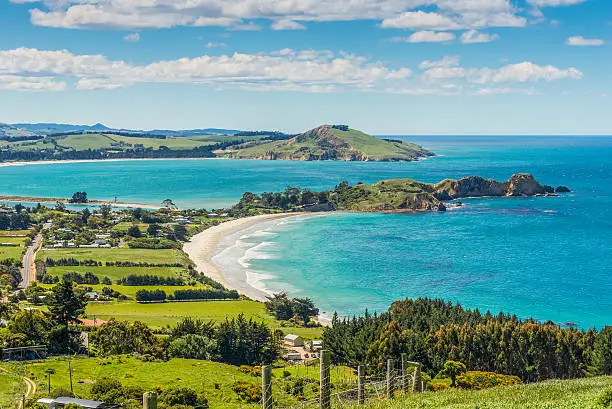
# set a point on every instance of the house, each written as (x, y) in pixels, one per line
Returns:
(60, 402)
(92, 295)
(294, 356)
(212, 215)
(294, 340)
(100, 242)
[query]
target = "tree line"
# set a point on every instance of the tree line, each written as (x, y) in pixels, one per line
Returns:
(434, 331)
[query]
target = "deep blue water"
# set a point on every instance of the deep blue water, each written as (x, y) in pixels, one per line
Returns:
(543, 257)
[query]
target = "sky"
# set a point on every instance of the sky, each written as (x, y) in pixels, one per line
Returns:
(383, 66)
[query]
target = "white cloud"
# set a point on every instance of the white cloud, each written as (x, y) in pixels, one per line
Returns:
(447, 61)
(250, 26)
(475, 37)
(580, 41)
(408, 14)
(420, 20)
(504, 90)
(22, 83)
(426, 37)
(522, 72)
(287, 25)
(132, 37)
(286, 70)
(554, 3)
(211, 44)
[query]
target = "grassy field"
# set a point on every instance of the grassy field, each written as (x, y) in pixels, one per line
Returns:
(10, 252)
(573, 394)
(168, 314)
(168, 256)
(9, 388)
(171, 143)
(84, 142)
(116, 273)
(215, 379)
(123, 227)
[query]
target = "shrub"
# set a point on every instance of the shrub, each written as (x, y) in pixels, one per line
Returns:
(192, 346)
(251, 370)
(484, 380)
(248, 392)
(212, 294)
(605, 400)
(179, 396)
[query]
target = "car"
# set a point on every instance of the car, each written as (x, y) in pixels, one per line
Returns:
(305, 355)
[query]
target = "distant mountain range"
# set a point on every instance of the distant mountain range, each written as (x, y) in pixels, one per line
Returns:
(41, 129)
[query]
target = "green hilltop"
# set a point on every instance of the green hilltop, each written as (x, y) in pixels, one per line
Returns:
(329, 142)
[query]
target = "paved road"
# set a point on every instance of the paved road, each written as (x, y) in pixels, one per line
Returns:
(28, 272)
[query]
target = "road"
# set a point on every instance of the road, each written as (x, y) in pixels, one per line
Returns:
(30, 389)
(28, 272)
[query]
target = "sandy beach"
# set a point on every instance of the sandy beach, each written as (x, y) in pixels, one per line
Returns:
(204, 246)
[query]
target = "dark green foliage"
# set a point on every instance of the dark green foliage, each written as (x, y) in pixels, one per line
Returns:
(146, 279)
(246, 342)
(434, 331)
(79, 197)
(188, 326)
(285, 308)
(605, 400)
(179, 232)
(206, 294)
(120, 337)
(110, 390)
(602, 352)
(452, 369)
(180, 396)
(67, 303)
(134, 231)
(150, 295)
(15, 221)
(87, 278)
(193, 346)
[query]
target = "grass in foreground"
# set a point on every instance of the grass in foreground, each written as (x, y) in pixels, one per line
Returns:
(9, 389)
(572, 394)
(214, 378)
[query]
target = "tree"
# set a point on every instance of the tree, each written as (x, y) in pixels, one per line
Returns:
(168, 204)
(193, 346)
(452, 369)
(280, 305)
(66, 304)
(134, 231)
(105, 211)
(33, 325)
(602, 352)
(85, 214)
(79, 197)
(304, 308)
(180, 232)
(153, 229)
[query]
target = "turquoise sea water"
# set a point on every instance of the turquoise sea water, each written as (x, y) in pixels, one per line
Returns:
(544, 257)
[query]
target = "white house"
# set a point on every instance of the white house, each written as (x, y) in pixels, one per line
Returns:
(317, 345)
(294, 340)
(294, 356)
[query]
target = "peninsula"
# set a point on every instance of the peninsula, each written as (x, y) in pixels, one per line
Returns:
(329, 142)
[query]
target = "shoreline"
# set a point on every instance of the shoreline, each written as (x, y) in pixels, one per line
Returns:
(205, 246)
(54, 162)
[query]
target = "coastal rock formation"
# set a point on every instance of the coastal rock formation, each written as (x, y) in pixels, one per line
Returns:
(521, 184)
(562, 189)
(329, 142)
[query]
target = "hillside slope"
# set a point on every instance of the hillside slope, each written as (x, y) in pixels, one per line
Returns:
(569, 394)
(330, 143)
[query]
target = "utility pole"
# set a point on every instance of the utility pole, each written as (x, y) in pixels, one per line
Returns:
(70, 372)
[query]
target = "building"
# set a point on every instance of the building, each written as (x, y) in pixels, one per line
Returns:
(294, 340)
(294, 356)
(63, 401)
(317, 345)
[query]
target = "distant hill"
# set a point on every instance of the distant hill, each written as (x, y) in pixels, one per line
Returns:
(329, 142)
(12, 131)
(55, 128)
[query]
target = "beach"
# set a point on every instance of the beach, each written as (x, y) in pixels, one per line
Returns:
(205, 249)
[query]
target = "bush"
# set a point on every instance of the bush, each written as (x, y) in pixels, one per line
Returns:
(179, 396)
(193, 346)
(251, 370)
(248, 392)
(211, 294)
(150, 295)
(59, 392)
(148, 279)
(155, 244)
(484, 380)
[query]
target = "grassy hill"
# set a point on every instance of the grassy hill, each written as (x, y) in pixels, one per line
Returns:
(330, 143)
(571, 394)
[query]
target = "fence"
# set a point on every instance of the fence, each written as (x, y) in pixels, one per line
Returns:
(401, 376)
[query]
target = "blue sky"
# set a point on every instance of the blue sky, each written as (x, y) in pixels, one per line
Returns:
(385, 66)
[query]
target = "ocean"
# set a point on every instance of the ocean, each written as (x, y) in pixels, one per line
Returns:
(547, 258)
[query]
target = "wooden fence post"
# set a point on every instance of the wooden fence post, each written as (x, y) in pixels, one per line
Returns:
(390, 378)
(360, 385)
(149, 400)
(266, 386)
(405, 373)
(417, 386)
(325, 387)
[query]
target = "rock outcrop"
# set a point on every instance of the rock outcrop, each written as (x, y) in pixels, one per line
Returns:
(521, 184)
